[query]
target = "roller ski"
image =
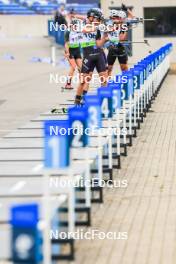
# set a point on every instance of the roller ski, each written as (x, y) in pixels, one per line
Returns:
(67, 87)
(62, 110)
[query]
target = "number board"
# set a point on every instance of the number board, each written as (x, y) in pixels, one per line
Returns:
(156, 60)
(116, 96)
(56, 144)
(26, 238)
(148, 62)
(78, 119)
(136, 78)
(127, 88)
(141, 68)
(105, 95)
(160, 56)
(151, 57)
(144, 66)
(94, 111)
(163, 54)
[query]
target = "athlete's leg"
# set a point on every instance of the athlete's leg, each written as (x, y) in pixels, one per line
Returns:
(111, 58)
(82, 87)
(110, 68)
(101, 69)
(87, 81)
(124, 67)
(85, 77)
(86, 85)
(123, 59)
(73, 65)
(79, 64)
(101, 66)
(103, 78)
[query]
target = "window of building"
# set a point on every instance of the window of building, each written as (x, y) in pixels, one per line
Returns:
(165, 23)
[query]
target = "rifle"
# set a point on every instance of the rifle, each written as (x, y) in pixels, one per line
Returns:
(127, 42)
(137, 20)
(128, 22)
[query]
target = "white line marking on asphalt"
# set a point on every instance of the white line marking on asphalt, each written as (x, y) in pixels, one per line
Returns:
(19, 185)
(37, 168)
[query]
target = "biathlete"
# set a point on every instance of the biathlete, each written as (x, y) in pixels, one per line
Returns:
(72, 51)
(116, 49)
(93, 55)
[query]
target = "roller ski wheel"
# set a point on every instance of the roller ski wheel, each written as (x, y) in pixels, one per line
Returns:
(55, 111)
(59, 110)
(64, 110)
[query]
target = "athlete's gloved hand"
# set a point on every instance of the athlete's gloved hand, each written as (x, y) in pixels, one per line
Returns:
(124, 7)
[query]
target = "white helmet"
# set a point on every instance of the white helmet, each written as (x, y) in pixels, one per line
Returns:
(118, 13)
